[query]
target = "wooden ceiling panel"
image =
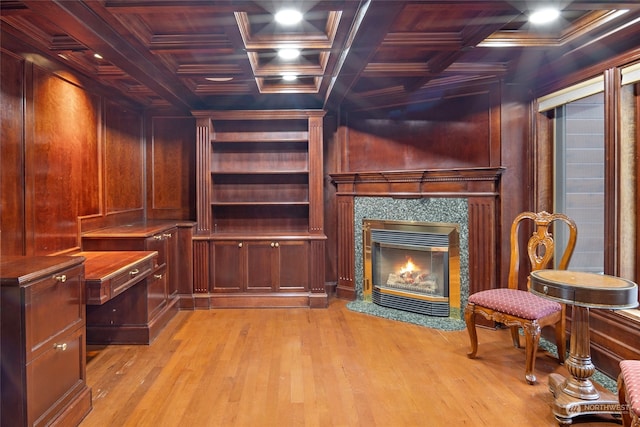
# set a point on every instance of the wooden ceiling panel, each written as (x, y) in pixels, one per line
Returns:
(355, 54)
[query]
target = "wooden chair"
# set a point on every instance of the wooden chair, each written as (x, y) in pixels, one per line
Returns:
(629, 392)
(517, 308)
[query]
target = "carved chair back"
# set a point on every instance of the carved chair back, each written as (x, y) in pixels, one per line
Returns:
(541, 244)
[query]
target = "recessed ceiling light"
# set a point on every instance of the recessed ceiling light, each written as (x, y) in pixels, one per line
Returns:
(288, 53)
(544, 16)
(219, 79)
(288, 17)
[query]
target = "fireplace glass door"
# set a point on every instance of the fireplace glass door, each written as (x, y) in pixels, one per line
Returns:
(421, 270)
(412, 266)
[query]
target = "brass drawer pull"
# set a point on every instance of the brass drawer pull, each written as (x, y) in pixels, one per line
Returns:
(157, 237)
(62, 278)
(167, 235)
(158, 276)
(61, 347)
(134, 272)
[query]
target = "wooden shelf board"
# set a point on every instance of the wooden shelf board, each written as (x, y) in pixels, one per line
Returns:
(263, 172)
(245, 203)
(232, 137)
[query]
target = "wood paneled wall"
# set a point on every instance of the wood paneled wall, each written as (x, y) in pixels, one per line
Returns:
(12, 208)
(59, 127)
(460, 132)
(73, 159)
(171, 173)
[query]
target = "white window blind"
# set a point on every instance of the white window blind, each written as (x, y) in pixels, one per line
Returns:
(631, 74)
(573, 93)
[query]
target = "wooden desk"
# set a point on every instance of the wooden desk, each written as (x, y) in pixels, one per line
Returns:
(576, 394)
(110, 273)
(126, 296)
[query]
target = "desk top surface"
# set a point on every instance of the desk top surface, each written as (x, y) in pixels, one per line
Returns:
(585, 289)
(102, 265)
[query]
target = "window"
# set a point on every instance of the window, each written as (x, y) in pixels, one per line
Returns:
(579, 177)
(587, 167)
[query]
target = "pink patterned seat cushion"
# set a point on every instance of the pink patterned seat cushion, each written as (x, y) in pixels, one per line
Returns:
(518, 303)
(630, 371)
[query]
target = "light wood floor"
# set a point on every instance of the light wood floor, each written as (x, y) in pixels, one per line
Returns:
(320, 367)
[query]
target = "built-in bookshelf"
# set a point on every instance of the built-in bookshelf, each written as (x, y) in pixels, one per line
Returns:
(260, 185)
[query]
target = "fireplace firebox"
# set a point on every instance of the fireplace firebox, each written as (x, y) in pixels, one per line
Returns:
(412, 266)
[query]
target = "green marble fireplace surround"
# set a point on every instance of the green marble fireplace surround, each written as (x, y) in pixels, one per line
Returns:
(432, 210)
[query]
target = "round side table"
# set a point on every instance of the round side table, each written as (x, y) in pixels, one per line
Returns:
(576, 394)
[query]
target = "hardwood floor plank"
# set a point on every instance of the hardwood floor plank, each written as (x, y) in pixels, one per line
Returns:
(316, 368)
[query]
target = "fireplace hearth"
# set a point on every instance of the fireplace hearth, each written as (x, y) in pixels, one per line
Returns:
(412, 266)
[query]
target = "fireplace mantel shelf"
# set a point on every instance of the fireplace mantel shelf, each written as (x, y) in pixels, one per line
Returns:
(459, 182)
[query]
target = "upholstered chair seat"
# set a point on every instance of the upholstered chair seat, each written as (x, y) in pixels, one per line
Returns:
(516, 303)
(629, 392)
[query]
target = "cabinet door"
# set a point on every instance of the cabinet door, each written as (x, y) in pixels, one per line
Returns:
(165, 244)
(172, 273)
(227, 272)
(262, 274)
(293, 266)
(156, 286)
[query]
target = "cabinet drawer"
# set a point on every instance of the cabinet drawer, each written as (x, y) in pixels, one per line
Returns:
(55, 305)
(54, 377)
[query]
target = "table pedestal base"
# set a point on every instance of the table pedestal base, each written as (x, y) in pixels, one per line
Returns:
(566, 407)
(576, 395)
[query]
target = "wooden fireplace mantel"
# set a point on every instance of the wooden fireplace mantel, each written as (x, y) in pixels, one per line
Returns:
(460, 182)
(480, 186)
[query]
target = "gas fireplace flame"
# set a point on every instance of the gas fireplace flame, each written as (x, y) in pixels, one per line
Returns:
(410, 276)
(409, 267)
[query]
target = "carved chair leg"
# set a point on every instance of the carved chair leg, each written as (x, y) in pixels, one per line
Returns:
(561, 340)
(532, 340)
(515, 336)
(470, 320)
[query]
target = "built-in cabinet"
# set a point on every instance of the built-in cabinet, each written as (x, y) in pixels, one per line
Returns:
(43, 378)
(139, 314)
(260, 266)
(259, 230)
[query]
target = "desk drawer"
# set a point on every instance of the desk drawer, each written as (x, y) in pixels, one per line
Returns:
(102, 289)
(132, 275)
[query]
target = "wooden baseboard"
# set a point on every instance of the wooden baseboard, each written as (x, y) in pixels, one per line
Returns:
(76, 410)
(205, 301)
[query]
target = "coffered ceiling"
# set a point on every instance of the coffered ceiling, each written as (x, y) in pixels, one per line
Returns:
(354, 54)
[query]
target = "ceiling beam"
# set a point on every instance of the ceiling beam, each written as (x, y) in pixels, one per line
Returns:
(79, 21)
(373, 21)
